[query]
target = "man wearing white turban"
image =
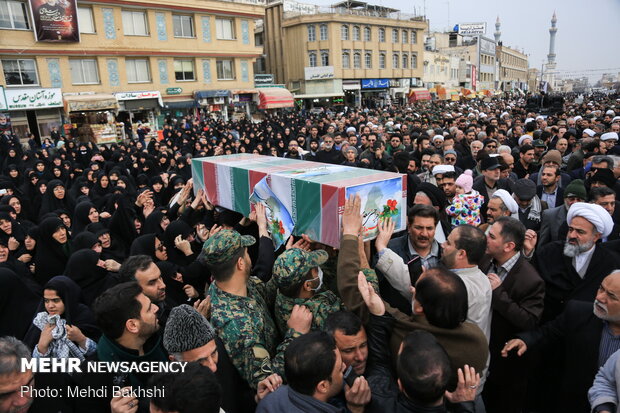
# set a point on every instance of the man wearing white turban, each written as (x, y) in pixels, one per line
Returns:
(575, 267)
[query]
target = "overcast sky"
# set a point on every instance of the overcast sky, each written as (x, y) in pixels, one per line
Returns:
(587, 37)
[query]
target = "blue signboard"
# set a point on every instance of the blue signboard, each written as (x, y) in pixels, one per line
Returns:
(375, 83)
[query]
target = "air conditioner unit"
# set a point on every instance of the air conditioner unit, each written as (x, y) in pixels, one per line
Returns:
(218, 101)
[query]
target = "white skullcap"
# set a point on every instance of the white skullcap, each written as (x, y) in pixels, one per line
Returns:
(589, 132)
(507, 199)
(617, 118)
(483, 115)
(609, 136)
(539, 117)
(442, 169)
(595, 214)
(524, 137)
(578, 118)
(528, 120)
(439, 137)
(350, 129)
(503, 114)
(610, 112)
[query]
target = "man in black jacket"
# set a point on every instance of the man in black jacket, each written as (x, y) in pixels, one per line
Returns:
(329, 154)
(490, 181)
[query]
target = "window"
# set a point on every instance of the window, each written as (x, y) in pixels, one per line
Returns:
(346, 59)
(20, 72)
(382, 35)
(357, 60)
(405, 36)
(134, 23)
(367, 34)
(324, 58)
(85, 17)
(368, 60)
(183, 26)
(414, 61)
(225, 69)
(312, 59)
(405, 60)
(84, 71)
(395, 59)
(356, 33)
(382, 60)
(311, 33)
(344, 32)
(323, 31)
(394, 35)
(13, 15)
(414, 37)
(138, 70)
(225, 29)
(184, 70)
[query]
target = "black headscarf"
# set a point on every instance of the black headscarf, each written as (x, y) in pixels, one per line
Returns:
(93, 279)
(76, 312)
(144, 245)
(173, 230)
(80, 217)
(51, 203)
(152, 223)
(51, 257)
(18, 305)
(84, 240)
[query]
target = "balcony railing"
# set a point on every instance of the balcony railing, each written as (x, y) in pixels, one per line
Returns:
(384, 14)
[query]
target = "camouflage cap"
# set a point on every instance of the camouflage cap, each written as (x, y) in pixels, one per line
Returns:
(293, 264)
(222, 246)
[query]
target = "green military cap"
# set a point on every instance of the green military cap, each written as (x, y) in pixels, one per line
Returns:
(292, 265)
(222, 246)
(538, 143)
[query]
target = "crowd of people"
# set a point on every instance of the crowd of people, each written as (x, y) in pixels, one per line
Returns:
(502, 295)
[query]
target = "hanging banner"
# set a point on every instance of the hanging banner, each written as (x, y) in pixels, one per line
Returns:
(55, 20)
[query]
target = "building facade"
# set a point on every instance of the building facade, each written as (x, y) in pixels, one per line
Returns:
(134, 60)
(513, 66)
(351, 53)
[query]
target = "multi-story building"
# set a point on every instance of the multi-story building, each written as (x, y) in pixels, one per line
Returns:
(513, 66)
(365, 53)
(533, 80)
(134, 60)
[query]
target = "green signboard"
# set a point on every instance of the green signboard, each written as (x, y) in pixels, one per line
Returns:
(174, 91)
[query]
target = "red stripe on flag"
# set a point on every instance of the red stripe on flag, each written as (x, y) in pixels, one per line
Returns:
(255, 178)
(210, 180)
(330, 226)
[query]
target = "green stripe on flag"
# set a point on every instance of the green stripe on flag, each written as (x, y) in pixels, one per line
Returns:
(241, 190)
(307, 208)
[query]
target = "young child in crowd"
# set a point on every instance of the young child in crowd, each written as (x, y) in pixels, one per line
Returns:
(466, 204)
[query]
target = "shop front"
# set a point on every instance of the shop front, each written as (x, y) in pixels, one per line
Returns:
(139, 108)
(243, 102)
(375, 93)
(214, 103)
(352, 95)
(399, 89)
(92, 117)
(33, 110)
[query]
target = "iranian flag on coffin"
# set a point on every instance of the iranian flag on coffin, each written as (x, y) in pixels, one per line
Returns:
(312, 193)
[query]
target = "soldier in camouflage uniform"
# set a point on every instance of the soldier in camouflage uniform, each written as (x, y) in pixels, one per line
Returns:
(300, 281)
(240, 311)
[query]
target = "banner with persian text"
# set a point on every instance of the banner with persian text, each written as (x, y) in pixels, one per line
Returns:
(55, 20)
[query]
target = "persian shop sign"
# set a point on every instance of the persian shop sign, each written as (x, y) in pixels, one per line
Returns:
(138, 95)
(33, 98)
(319, 72)
(375, 83)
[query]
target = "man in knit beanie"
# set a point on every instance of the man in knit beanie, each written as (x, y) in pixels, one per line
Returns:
(190, 337)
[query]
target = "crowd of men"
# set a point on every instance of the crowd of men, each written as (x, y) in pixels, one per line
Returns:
(502, 294)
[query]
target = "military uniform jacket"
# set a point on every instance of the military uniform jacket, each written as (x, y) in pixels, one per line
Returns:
(248, 331)
(321, 305)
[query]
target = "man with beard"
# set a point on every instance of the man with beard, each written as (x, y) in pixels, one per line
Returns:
(490, 181)
(146, 273)
(550, 191)
(128, 320)
(293, 151)
(574, 268)
(555, 218)
(448, 184)
(329, 154)
(586, 334)
(501, 204)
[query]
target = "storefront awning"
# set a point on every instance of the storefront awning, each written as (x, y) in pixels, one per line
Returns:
(205, 94)
(275, 97)
(97, 101)
(319, 95)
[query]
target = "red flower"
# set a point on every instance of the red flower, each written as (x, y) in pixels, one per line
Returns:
(281, 230)
(392, 204)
